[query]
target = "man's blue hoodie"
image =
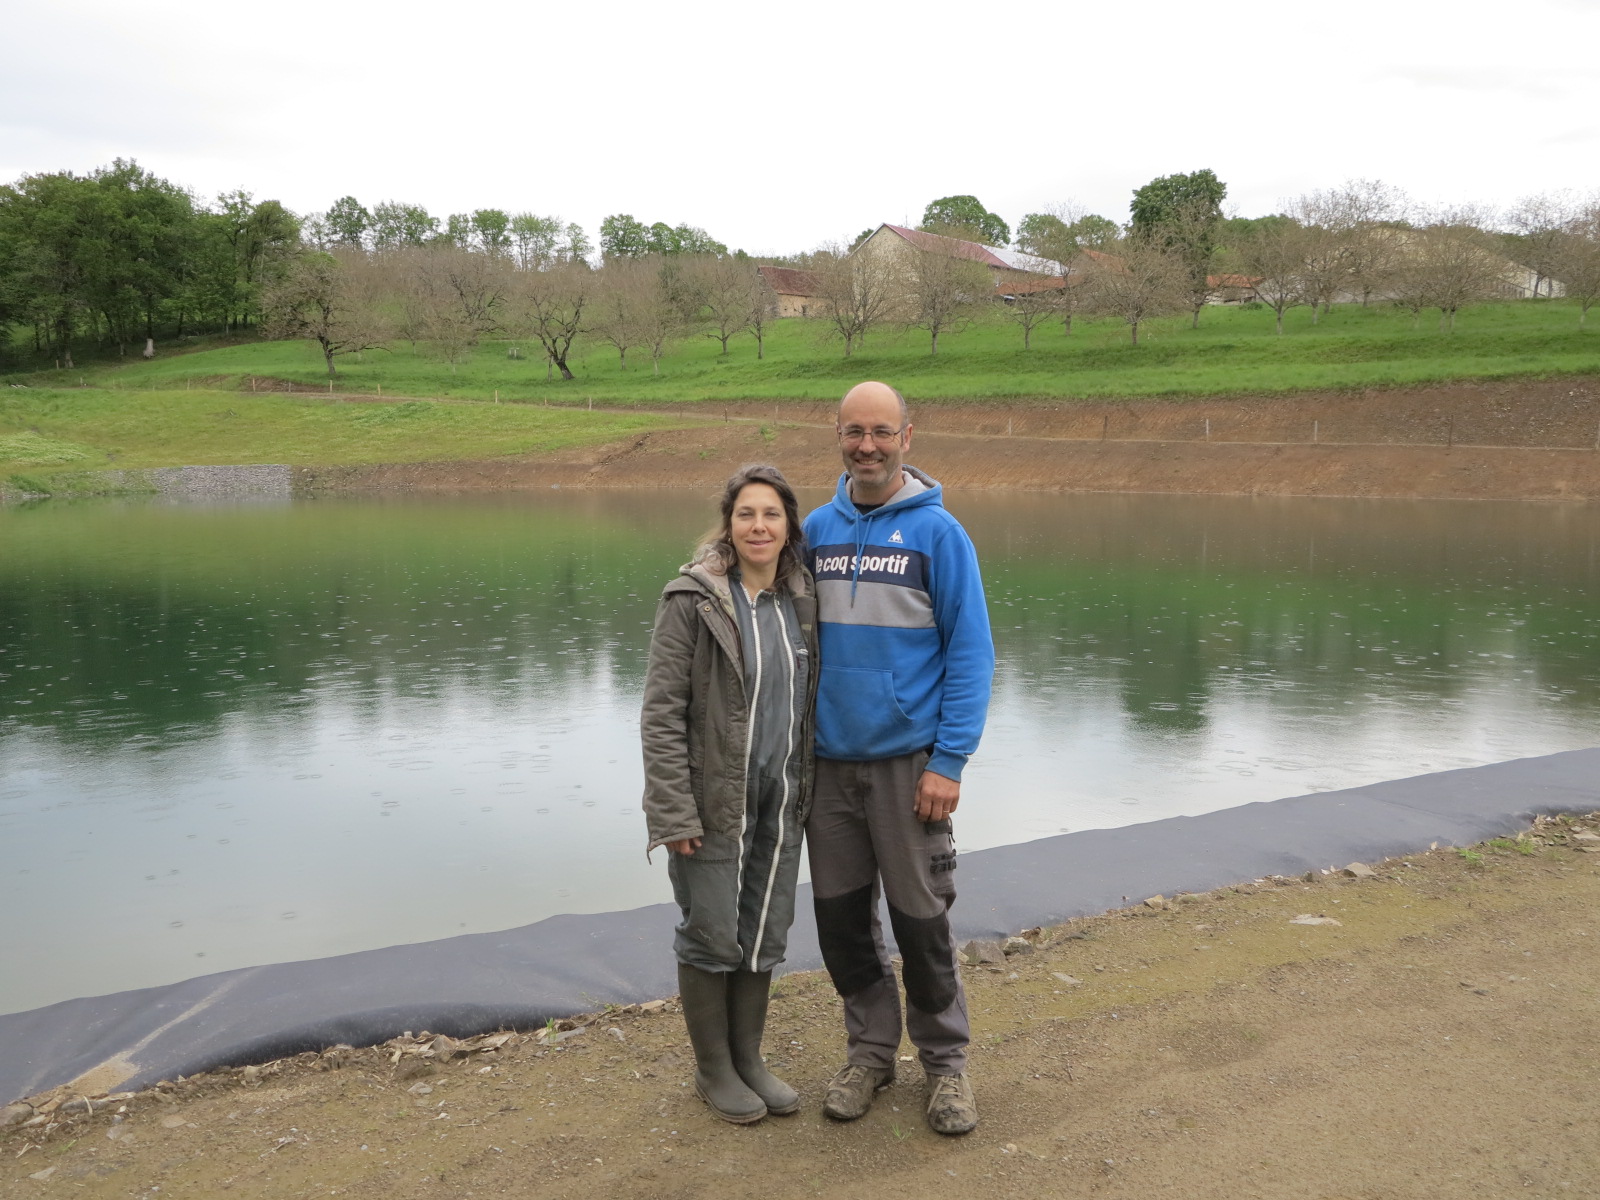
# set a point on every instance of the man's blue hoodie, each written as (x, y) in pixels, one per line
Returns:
(907, 659)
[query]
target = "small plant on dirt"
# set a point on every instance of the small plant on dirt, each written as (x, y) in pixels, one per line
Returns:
(1525, 844)
(900, 1134)
(1501, 845)
(1470, 856)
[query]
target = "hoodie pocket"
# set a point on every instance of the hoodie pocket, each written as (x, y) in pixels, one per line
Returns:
(858, 715)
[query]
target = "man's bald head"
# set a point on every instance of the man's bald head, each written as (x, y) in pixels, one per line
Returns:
(876, 395)
(874, 436)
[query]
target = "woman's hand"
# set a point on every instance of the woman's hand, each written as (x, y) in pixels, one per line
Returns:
(684, 846)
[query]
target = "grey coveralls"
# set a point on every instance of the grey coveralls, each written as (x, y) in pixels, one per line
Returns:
(737, 894)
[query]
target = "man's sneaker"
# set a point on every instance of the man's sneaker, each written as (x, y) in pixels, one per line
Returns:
(850, 1092)
(950, 1105)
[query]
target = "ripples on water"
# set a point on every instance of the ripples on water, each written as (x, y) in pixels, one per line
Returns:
(236, 735)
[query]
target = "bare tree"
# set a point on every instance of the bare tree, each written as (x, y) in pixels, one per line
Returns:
(859, 291)
(1452, 263)
(1062, 238)
(638, 304)
(942, 291)
(332, 297)
(616, 317)
(462, 297)
(1539, 225)
(1575, 258)
(763, 311)
(1142, 281)
(1031, 304)
(1275, 254)
(548, 306)
(729, 292)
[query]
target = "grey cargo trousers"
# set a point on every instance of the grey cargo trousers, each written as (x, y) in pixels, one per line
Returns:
(864, 840)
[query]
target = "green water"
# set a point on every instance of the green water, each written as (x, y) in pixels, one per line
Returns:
(232, 735)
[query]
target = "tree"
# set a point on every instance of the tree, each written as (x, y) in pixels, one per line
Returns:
(491, 232)
(1143, 280)
(548, 305)
(1183, 214)
(859, 291)
(457, 231)
(942, 291)
(348, 222)
(40, 223)
(1539, 226)
(463, 294)
(1058, 238)
(576, 246)
(965, 217)
(259, 239)
(1275, 252)
(534, 240)
(331, 298)
(634, 307)
(1574, 258)
(1450, 264)
(1032, 304)
(396, 224)
(623, 237)
(730, 293)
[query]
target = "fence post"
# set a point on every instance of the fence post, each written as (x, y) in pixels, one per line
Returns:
(1208, 429)
(1105, 425)
(1315, 432)
(1450, 434)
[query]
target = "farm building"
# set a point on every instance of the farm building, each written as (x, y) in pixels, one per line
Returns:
(1004, 265)
(798, 292)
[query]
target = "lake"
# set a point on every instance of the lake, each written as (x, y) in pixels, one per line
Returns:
(239, 734)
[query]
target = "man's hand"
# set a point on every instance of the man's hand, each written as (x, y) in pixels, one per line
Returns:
(684, 846)
(937, 796)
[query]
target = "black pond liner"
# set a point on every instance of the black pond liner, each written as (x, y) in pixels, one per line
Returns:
(569, 964)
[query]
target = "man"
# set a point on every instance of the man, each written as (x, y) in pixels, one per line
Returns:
(907, 664)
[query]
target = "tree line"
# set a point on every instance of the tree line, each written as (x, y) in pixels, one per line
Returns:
(119, 255)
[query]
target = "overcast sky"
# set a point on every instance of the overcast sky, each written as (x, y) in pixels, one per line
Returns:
(777, 127)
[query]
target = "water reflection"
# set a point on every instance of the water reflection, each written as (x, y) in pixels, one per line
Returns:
(231, 736)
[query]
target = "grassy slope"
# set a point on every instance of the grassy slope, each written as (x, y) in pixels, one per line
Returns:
(1235, 351)
(42, 431)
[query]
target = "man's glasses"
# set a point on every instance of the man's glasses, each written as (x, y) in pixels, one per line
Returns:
(854, 435)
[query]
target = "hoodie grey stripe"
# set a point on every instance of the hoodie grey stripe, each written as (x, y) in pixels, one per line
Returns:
(886, 605)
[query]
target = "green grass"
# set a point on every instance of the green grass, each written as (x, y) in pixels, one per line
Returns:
(1235, 351)
(103, 428)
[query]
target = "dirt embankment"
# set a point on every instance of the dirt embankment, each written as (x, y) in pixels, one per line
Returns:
(1428, 1034)
(1526, 439)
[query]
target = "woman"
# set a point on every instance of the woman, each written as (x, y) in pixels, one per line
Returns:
(727, 731)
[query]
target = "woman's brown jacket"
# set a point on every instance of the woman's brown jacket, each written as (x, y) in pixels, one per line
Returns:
(696, 715)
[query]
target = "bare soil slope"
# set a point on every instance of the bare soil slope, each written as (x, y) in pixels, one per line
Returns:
(1435, 1039)
(1530, 439)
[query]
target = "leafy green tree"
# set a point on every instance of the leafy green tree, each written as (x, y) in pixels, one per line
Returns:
(457, 232)
(491, 232)
(1183, 213)
(576, 247)
(348, 222)
(965, 217)
(534, 239)
(621, 236)
(397, 224)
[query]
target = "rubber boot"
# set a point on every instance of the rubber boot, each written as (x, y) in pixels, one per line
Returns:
(705, 1011)
(748, 992)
